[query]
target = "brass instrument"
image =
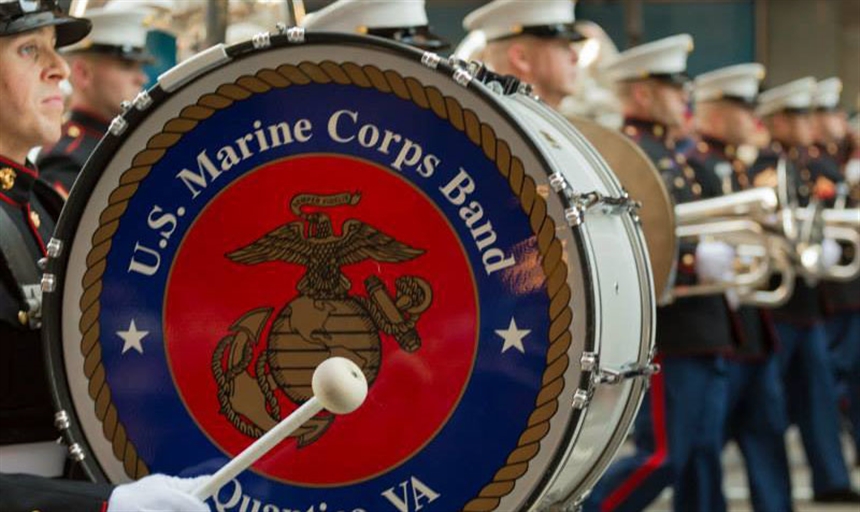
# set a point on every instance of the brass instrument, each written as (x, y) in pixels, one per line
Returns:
(842, 226)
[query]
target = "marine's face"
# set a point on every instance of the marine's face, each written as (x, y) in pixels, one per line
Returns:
(554, 69)
(740, 123)
(31, 104)
(670, 105)
(115, 80)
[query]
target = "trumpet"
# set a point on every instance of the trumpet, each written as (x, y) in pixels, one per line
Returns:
(743, 220)
(840, 225)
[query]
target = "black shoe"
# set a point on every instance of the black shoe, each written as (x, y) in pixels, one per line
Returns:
(837, 496)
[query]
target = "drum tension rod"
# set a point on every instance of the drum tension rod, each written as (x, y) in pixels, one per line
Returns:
(612, 376)
(589, 201)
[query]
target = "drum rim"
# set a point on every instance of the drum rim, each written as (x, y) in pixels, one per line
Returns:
(69, 222)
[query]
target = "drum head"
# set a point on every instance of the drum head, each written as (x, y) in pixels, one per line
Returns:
(642, 181)
(333, 198)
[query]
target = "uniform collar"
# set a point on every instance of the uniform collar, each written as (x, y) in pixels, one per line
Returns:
(89, 120)
(639, 126)
(16, 181)
(719, 145)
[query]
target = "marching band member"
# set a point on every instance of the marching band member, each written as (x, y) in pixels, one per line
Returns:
(531, 41)
(834, 146)
(808, 384)
(404, 22)
(679, 429)
(725, 102)
(31, 108)
(106, 69)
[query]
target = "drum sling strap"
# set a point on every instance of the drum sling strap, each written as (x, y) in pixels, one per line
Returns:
(14, 256)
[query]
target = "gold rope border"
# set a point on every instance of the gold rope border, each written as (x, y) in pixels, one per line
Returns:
(388, 81)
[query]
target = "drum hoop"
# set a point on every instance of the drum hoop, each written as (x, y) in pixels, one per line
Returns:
(391, 82)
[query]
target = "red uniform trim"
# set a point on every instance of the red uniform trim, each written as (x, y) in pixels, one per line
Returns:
(661, 451)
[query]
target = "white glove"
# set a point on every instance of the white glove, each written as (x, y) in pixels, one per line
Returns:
(852, 171)
(714, 262)
(830, 253)
(158, 493)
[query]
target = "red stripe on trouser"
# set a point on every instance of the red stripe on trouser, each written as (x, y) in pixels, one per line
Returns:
(657, 459)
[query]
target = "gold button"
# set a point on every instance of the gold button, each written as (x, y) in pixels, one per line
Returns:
(689, 172)
(832, 148)
(23, 317)
(805, 174)
(730, 151)
(658, 130)
(697, 189)
(7, 178)
(688, 260)
(630, 131)
(813, 152)
(702, 147)
(665, 164)
(681, 159)
(679, 182)
(34, 218)
(73, 132)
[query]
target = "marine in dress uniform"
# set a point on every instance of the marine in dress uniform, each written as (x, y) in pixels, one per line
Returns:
(679, 429)
(532, 41)
(725, 101)
(835, 147)
(808, 384)
(30, 115)
(404, 22)
(106, 68)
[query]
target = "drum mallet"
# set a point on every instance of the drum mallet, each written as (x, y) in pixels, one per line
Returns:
(339, 386)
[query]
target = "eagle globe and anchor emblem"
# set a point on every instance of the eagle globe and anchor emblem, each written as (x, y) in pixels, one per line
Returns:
(322, 321)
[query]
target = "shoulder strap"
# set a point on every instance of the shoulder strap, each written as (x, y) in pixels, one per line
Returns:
(14, 256)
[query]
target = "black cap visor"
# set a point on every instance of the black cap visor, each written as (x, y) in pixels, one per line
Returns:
(69, 30)
(554, 31)
(419, 37)
(130, 53)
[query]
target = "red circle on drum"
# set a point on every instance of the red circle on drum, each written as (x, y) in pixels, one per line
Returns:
(312, 257)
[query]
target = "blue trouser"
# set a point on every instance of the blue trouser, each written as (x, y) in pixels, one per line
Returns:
(843, 333)
(757, 421)
(810, 394)
(679, 437)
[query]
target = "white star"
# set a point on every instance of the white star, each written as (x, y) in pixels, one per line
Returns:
(132, 338)
(513, 337)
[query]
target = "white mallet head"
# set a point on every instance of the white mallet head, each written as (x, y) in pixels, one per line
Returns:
(339, 385)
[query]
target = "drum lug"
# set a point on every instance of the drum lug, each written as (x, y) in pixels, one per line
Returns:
(588, 361)
(261, 40)
(581, 398)
(49, 283)
(54, 248)
(431, 60)
(614, 376)
(143, 100)
(462, 77)
(61, 420)
(125, 106)
(76, 453)
(294, 34)
(32, 316)
(118, 126)
(557, 182)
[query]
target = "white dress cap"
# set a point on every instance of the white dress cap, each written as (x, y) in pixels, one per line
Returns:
(827, 94)
(739, 83)
(662, 59)
(500, 19)
(793, 96)
(118, 32)
(400, 20)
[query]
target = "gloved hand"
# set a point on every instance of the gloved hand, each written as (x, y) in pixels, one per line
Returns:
(158, 493)
(714, 262)
(830, 253)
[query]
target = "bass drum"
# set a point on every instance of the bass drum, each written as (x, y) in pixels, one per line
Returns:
(277, 202)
